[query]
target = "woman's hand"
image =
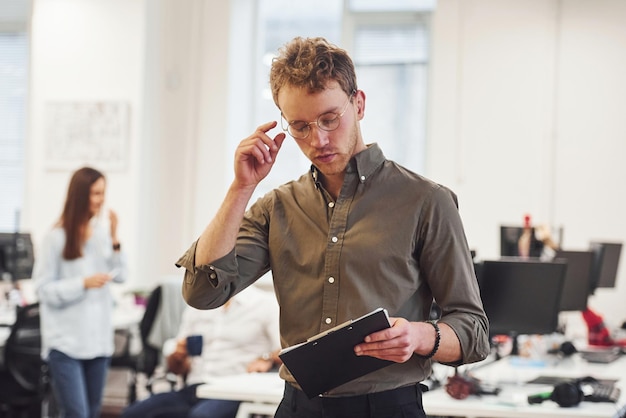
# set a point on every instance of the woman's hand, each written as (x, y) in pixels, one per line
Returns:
(113, 223)
(96, 281)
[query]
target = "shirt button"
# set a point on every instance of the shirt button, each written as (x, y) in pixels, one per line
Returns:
(213, 276)
(331, 204)
(362, 178)
(331, 280)
(328, 320)
(334, 239)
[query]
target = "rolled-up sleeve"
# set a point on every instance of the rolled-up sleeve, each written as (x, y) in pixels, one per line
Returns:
(210, 285)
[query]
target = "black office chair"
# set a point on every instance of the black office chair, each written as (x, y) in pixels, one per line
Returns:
(24, 378)
(149, 357)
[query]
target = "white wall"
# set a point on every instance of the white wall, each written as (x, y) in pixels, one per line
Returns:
(160, 56)
(526, 116)
(182, 160)
(526, 110)
(84, 50)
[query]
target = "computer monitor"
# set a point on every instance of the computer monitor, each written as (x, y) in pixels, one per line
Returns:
(16, 256)
(522, 296)
(605, 263)
(509, 237)
(577, 282)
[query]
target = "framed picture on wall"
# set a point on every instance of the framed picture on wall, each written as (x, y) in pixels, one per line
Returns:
(87, 133)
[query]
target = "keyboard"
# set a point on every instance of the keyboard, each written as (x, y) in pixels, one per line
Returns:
(594, 390)
(555, 380)
(551, 380)
(603, 393)
(604, 357)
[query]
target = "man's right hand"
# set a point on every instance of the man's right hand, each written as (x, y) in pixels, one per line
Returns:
(254, 158)
(256, 155)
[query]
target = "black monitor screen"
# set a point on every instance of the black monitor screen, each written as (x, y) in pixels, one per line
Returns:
(509, 237)
(605, 263)
(16, 256)
(522, 296)
(577, 279)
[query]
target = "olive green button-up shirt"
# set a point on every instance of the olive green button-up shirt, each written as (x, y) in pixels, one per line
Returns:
(392, 239)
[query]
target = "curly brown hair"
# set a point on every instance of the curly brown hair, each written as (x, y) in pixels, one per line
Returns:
(312, 63)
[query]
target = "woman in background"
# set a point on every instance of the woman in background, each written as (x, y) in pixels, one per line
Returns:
(77, 260)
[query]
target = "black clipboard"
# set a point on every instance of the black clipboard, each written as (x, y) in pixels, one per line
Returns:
(327, 360)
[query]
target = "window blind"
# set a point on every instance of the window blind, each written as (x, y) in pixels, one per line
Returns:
(391, 44)
(13, 93)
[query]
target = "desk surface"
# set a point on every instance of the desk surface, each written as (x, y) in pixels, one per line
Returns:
(7, 315)
(7, 318)
(509, 375)
(248, 387)
(511, 403)
(128, 316)
(4, 335)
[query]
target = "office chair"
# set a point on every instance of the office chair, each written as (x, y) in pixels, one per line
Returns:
(149, 357)
(24, 378)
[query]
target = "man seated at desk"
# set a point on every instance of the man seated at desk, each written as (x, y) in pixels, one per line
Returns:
(241, 336)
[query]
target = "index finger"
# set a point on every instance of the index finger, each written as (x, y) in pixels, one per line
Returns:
(267, 126)
(273, 144)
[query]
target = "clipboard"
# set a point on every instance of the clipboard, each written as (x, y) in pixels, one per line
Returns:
(327, 360)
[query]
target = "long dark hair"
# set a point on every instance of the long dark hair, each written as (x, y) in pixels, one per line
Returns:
(76, 213)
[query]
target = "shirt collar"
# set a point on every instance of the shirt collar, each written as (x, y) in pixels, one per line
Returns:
(364, 164)
(366, 161)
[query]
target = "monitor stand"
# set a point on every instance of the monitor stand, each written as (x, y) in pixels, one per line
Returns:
(515, 346)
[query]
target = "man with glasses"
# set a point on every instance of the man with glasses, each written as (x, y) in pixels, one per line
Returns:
(355, 233)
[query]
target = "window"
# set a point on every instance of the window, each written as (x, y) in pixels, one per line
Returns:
(279, 22)
(388, 41)
(392, 68)
(13, 94)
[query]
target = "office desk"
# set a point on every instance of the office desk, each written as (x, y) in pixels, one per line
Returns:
(127, 316)
(7, 318)
(261, 392)
(511, 403)
(4, 336)
(510, 376)
(7, 315)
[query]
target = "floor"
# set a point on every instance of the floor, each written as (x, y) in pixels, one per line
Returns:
(116, 392)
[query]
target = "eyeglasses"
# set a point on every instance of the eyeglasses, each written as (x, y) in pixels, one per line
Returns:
(328, 121)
